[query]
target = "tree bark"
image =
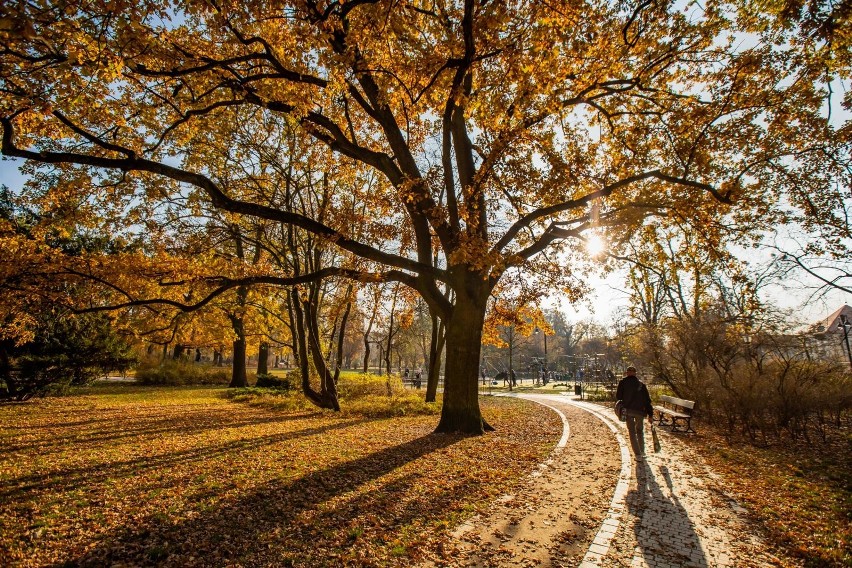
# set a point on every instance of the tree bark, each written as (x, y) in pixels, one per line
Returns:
(366, 352)
(263, 358)
(460, 411)
(238, 369)
(324, 398)
(376, 300)
(341, 336)
(436, 349)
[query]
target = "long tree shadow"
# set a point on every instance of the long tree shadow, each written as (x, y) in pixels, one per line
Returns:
(241, 530)
(116, 427)
(664, 531)
(16, 487)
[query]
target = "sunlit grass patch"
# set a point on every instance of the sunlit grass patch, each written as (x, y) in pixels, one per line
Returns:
(110, 393)
(375, 396)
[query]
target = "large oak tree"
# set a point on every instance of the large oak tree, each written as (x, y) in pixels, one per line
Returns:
(503, 133)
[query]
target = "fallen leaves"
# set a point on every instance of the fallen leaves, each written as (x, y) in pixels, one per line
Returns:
(185, 477)
(799, 492)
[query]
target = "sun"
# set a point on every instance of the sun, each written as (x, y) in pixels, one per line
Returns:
(595, 245)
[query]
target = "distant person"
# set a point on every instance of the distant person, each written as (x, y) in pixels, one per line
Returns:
(634, 395)
(417, 378)
(513, 377)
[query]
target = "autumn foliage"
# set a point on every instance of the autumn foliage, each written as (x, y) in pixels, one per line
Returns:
(444, 146)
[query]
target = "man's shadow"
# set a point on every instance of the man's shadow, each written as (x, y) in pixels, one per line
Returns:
(663, 530)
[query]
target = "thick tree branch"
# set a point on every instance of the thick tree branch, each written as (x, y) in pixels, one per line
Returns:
(533, 216)
(218, 199)
(225, 284)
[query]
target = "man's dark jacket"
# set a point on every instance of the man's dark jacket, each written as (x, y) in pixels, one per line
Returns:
(634, 394)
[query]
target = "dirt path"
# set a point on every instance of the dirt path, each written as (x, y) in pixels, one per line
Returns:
(554, 517)
(591, 504)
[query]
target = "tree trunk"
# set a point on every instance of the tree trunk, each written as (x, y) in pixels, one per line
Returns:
(263, 358)
(238, 370)
(460, 411)
(366, 353)
(5, 362)
(341, 336)
(377, 298)
(436, 349)
(327, 396)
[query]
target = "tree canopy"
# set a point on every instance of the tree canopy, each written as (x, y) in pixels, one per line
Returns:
(460, 141)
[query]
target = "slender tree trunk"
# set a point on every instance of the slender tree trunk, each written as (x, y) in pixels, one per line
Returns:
(327, 396)
(366, 352)
(5, 362)
(391, 333)
(328, 386)
(372, 320)
(436, 350)
(342, 335)
(460, 411)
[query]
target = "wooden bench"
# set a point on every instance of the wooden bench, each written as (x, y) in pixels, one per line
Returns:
(413, 381)
(676, 411)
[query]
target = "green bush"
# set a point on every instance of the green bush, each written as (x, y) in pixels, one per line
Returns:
(271, 381)
(66, 350)
(177, 373)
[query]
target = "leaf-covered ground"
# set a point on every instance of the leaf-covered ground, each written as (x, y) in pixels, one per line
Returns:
(800, 493)
(185, 477)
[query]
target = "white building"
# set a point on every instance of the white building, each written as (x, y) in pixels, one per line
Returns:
(831, 337)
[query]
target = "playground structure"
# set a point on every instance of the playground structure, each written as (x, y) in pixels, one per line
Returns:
(591, 375)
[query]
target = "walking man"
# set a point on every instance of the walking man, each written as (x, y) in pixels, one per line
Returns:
(634, 395)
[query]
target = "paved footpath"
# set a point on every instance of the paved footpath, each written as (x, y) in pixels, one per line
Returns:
(668, 511)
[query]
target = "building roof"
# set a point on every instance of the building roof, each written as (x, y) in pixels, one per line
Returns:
(833, 323)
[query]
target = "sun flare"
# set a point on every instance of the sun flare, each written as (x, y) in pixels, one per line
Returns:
(595, 245)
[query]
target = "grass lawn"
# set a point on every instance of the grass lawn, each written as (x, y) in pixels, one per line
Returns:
(183, 476)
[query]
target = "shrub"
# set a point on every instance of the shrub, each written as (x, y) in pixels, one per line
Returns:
(177, 373)
(361, 385)
(381, 406)
(65, 350)
(274, 399)
(271, 381)
(760, 384)
(363, 395)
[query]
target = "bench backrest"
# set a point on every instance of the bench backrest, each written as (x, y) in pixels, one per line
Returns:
(687, 404)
